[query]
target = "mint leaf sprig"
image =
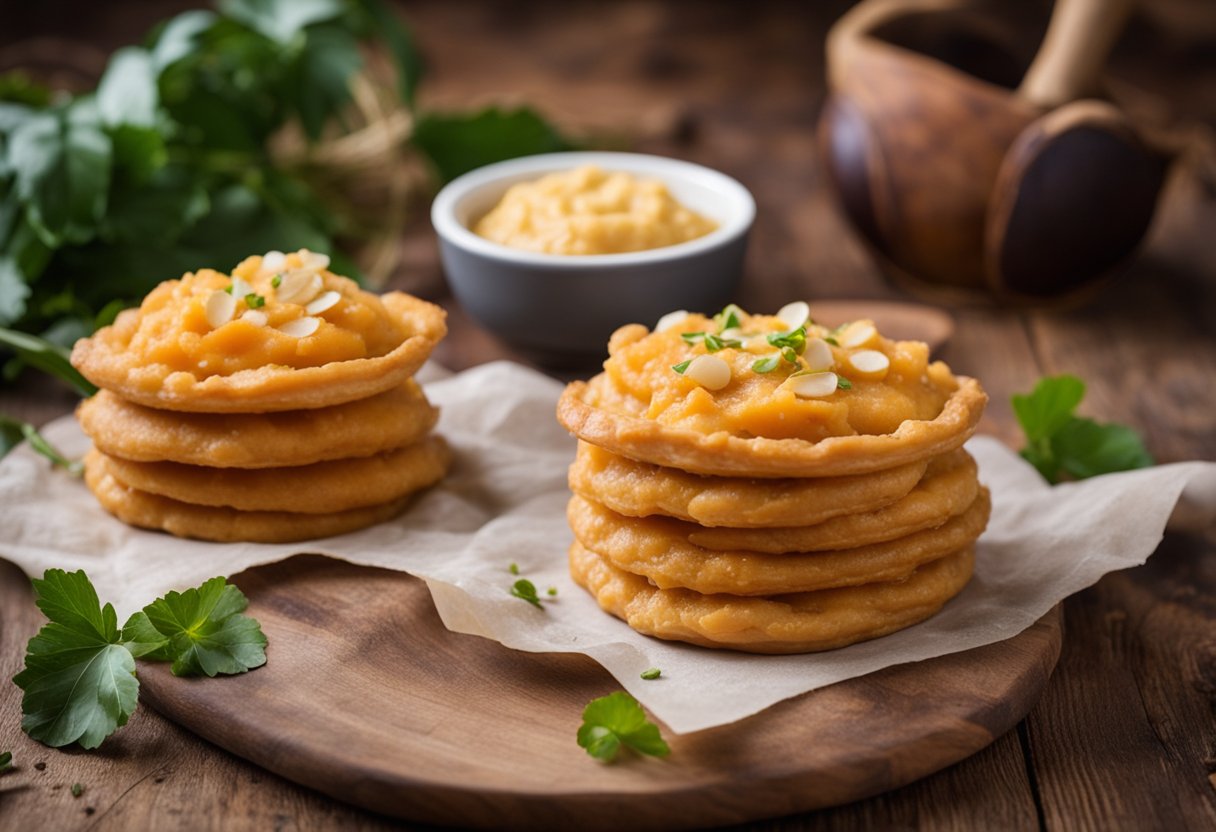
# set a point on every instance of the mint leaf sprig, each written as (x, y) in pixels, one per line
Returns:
(617, 720)
(1060, 443)
(79, 678)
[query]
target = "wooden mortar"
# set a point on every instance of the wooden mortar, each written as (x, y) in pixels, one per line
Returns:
(960, 179)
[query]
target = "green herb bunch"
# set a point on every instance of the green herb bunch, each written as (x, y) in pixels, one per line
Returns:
(175, 161)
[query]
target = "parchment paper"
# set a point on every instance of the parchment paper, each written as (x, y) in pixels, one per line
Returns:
(505, 502)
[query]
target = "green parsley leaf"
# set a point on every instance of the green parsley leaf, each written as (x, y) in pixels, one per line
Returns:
(79, 680)
(692, 337)
(276, 280)
(6, 762)
(1059, 442)
(832, 341)
(526, 590)
(513, 568)
(789, 354)
(203, 629)
(795, 340)
(712, 342)
(77, 789)
(843, 383)
(615, 720)
(254, 301)
(766, 365)
(728, 318)
(682, 366)
(651, 673)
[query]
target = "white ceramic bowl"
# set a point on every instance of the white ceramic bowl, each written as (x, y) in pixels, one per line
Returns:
(564, 307)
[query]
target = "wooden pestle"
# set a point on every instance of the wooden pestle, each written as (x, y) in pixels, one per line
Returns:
(960, 180)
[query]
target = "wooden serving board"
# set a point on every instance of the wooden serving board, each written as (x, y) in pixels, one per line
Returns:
(367, 697)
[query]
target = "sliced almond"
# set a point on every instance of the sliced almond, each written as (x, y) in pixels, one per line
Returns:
(818, 355)
(671, 319)
(220, 308)
(299, 286)
(709, 371)
(758, 344)
(240, 288)
(255, 317)
(813, 386)
(300, 327)
(272, 262)
(326, 301)
(795, 314)
(856, 334)
(870, 362)
(313, 259)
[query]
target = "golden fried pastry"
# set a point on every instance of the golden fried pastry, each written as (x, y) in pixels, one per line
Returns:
(948, 489)
(640, 489)
(384, 422)
(657, 548)
(758, 399)
(280, 336)
(791, 623)
(228, 525)
(320, 488)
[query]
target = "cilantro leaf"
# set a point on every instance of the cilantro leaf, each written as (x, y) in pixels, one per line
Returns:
(79, 681)
(1057, 441)
(204, 631)
(6, 762)
(615, 720)
(526, 591)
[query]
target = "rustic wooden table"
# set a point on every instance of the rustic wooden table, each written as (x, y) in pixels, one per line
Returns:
(1123, 736)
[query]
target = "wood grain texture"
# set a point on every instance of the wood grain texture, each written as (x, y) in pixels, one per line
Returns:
(411, 720)
(737, 86)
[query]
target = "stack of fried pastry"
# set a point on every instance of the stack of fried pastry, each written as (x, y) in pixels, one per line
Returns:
(274, 404)
(765, 484)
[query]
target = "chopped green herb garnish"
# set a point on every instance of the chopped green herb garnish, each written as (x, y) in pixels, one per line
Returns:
(228, 288)
(77, 790)
(795, 339)
(6, 761)
(79, 676)
(790, 354)
(728, 318)
(712, 342)
(682, 366)
(253, 300)
(12, 432)
(526, 590)
(615, 720)
(651, 673)
(692, 337)
(551, 591)
(1057, 441)
(832, 341)
(513, 568)
(276, 280)
(843, 383)
(766, 365)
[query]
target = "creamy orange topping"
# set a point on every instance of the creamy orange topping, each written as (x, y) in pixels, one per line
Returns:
(786, 402)
(177, 328)
(591, 211)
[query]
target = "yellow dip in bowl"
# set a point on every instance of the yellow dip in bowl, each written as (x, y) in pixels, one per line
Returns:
(588, 210)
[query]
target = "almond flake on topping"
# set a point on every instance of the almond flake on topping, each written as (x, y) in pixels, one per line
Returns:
(300, 327)
(326, 301)
(671, 319)
(313, 259)
(273, 261)
(758, 344)
(818, 355)
(240, 288)
(856, 334)
(795, 314)
(871, 362)
(709, 371)
(299, 286)
(813, 386)
(220, 308)
(255, 317)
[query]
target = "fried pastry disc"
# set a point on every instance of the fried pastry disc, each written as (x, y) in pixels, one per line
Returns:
(795, 623)
(228, 525)
(656, 548)
(640, 489)
(168, 353)
(390, 420)
(947, 490)
(321, 488)
(723, 454)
